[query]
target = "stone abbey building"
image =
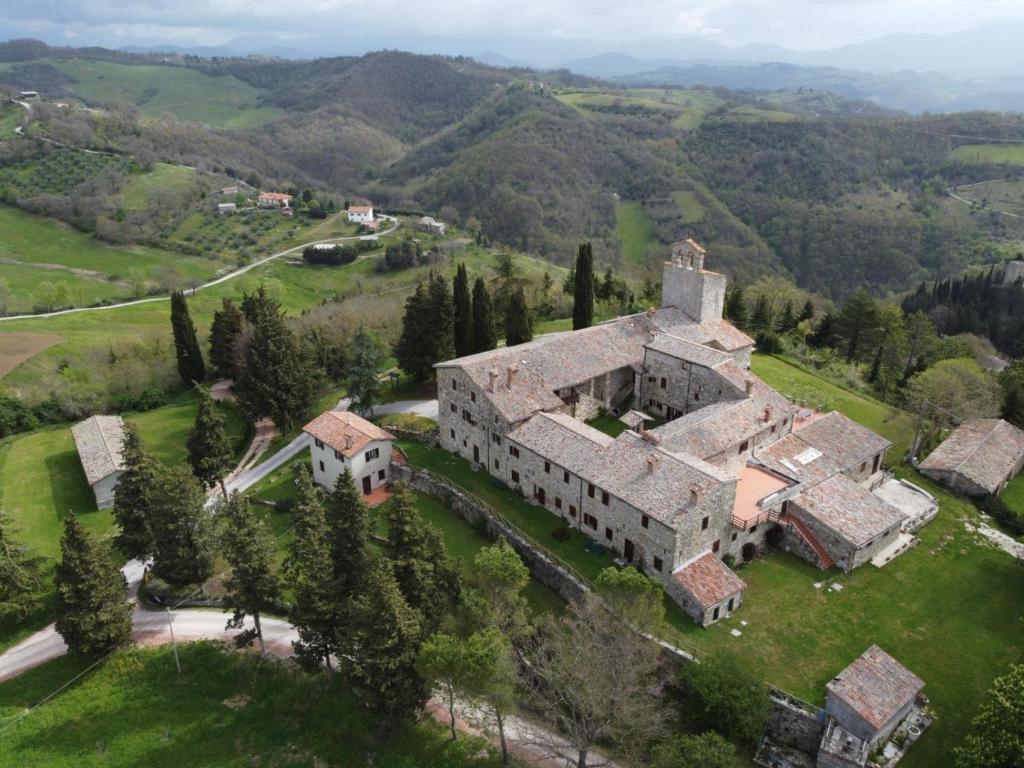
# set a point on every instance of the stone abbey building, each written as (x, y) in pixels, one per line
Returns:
(731, 459)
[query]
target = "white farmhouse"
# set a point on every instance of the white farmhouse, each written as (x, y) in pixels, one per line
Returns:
(360, 214)
(342, 439)
(99, 440)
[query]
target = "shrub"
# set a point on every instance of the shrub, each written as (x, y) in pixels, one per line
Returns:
(332, 257)
(998, 509)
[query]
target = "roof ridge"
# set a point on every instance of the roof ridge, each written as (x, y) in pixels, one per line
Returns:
(103, 437)
(983, 441)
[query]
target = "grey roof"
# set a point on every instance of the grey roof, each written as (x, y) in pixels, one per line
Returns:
(794, 458)
(849, 509)
(683, 349)
(99, 440)
(875, 686)
(562, 439)
(843, 440)
(985, 451)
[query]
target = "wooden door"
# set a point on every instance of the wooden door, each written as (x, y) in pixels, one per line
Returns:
(366, 484)
(627, 551)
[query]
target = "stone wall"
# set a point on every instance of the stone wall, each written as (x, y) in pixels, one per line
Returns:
(687, 386)
(794, 726)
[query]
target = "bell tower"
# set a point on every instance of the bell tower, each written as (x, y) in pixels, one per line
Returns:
(687, 286)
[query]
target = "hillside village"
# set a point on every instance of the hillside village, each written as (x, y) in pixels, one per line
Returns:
(355, 470)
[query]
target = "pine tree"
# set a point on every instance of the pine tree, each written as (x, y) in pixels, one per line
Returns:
(583, 290)
(21, 579)
(518, 324)
(807, 313)
(224, 332)
(428, 579)
(484, 336)
(363, 370)
(857, 325)
(259, 304)
(254, 584)
(442, 319)
(314, 610)
(279, 379)
(787, 321)
(93, 613)
(387, 634)
(825, 334)
(463, 304)
(209, 449)
(348, 523)
(134, 495)
(177, 516)
(186, 346)
(413, 350)
(604, 289)
(761, 320)
(736, 307)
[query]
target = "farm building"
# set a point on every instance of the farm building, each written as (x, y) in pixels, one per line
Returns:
(360, 214)
(223, 208)
(431, 225)
(274, 200)
(99, 440)
(979, 457)
(342, 440)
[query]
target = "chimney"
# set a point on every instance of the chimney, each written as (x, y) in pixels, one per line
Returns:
(653, 461)
(694, 495)
(512, 371)
(348, 442)
(767, 413)
(748, 385)
(649, 437)
(492, 376)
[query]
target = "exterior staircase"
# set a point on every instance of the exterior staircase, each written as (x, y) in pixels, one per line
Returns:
(825, 560)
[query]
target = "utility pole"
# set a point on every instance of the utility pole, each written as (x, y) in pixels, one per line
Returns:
(174, 644)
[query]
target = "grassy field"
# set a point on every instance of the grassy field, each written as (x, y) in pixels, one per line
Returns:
(999, 194)
(1014, 494)
(686, 109)
(168, 178)
(690, 206)
(635, 231)
(1011, 154)
(745, 113)
(219, 102)
(225, 709)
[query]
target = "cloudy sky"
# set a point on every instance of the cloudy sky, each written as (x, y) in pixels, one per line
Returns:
(349, 26)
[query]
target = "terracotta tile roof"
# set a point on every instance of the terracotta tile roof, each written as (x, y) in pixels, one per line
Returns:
(360, 208)
(708, 580)
(843, 440)
(984, 451)
(849, 509)
(99, 440)
(274, 196)
(875, 686)
(345, 432)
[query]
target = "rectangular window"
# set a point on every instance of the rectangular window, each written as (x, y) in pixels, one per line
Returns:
(380, 474)
(590, 490)
(604, 498)
(455, 384)
(454, 407)
(558, 503)
(572, 511)
(472, 397)
(372, 454)
(538, 492)
(772, 430)
(704, 524)
(696, 396)
(733, 537)
(339, 455)
(608, 533)
(664, 382)
(319, 442)
(452, 432)
(515, 476)
(878, 461)
(513, 451)
(730, 602)
(863, 466)
(547, 467)
(717, 545)
(565, 475)
(644, 521)
(496, 438)
(744, 445)
(658, 564)
(496, 464)
(322, 467)
(715, 614)
(590, 520)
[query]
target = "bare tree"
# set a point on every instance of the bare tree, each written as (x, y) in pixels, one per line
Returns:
(596, 679)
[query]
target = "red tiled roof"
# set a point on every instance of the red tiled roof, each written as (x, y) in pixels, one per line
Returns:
(274, 196)
(709, 580)
(360, 208)
(344, 431)
(875, 686)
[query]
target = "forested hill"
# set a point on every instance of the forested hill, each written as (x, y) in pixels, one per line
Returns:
(795, 183)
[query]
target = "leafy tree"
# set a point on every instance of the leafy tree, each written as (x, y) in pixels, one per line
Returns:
(501, 577)
(428, 579)
(583, 288)
(386, 640)
(414, 348)
(21, 579)
(997, 732)
(857, 326)
(952, 391)
(191, 367)
(703, 750)
(224, 333)
(15, 416)
(736, 307)
(518, 324)
(722, 694)
(258, 304)
(491, 678)
(463, 319)
(892, 350)
(825, 334)
(209, 449)
(177, 517)
(787, 320)
(761, 319)
(254, 584)
(348, 522)
(310, 569)
(443, 660)
(363, 370)
(279, 379)
(93, 613)
(1011, 381)
(134, 496)
(484, 335)
(636, 598)
(807, 313)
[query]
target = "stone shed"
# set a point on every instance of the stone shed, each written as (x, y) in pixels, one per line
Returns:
(707, 589)
(99, 440)
(979, 457)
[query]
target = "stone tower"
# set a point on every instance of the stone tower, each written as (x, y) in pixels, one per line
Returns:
(687, 286)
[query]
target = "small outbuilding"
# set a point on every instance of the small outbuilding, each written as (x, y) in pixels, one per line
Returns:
(706, 589)
(343, 440)
(431, 225)
(223, 208)
(99, 440)
(979, 457)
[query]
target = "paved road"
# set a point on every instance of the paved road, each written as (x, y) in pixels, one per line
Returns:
(250, 477)
(217, 281)
(426, 408)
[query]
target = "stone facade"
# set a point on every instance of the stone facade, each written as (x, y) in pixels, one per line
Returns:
(700, 294)
(704, 616)
(671, 388)
(846, 554)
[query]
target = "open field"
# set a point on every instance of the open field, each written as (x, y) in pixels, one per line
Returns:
(999, 194)
(16, 348)
(1014, 494)
(1011, 154)
(690, 206)
(225, 709)
(219, 102)
(135, 196)
(635, 233)
(685, 108)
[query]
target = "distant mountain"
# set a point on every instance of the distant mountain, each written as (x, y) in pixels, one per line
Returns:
(492, 59)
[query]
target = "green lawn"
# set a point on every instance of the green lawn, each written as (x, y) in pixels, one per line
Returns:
(686, 109)
(1014, 494)
(220, 102)
(226, 709)
(608, 424)
(690, 206)
(1011, 154)
(168, 178)
(635, 231)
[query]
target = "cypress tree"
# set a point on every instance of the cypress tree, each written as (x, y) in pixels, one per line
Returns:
(788, 320)
(583, 290)
(254, 584)
(314, 610)
(182, 551)
(736, 307)
(134, 496)
(825, 334)
(93, 613)
(484, 335)
(413, 350)
(387, 634)
(21, 579)
(441, 319)
(857, 324)
(518, 324)
(258, 304)
(348, 522)
(186, 346)
(224, 333)
(209, 449)
(463, 321)
(364, 366)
